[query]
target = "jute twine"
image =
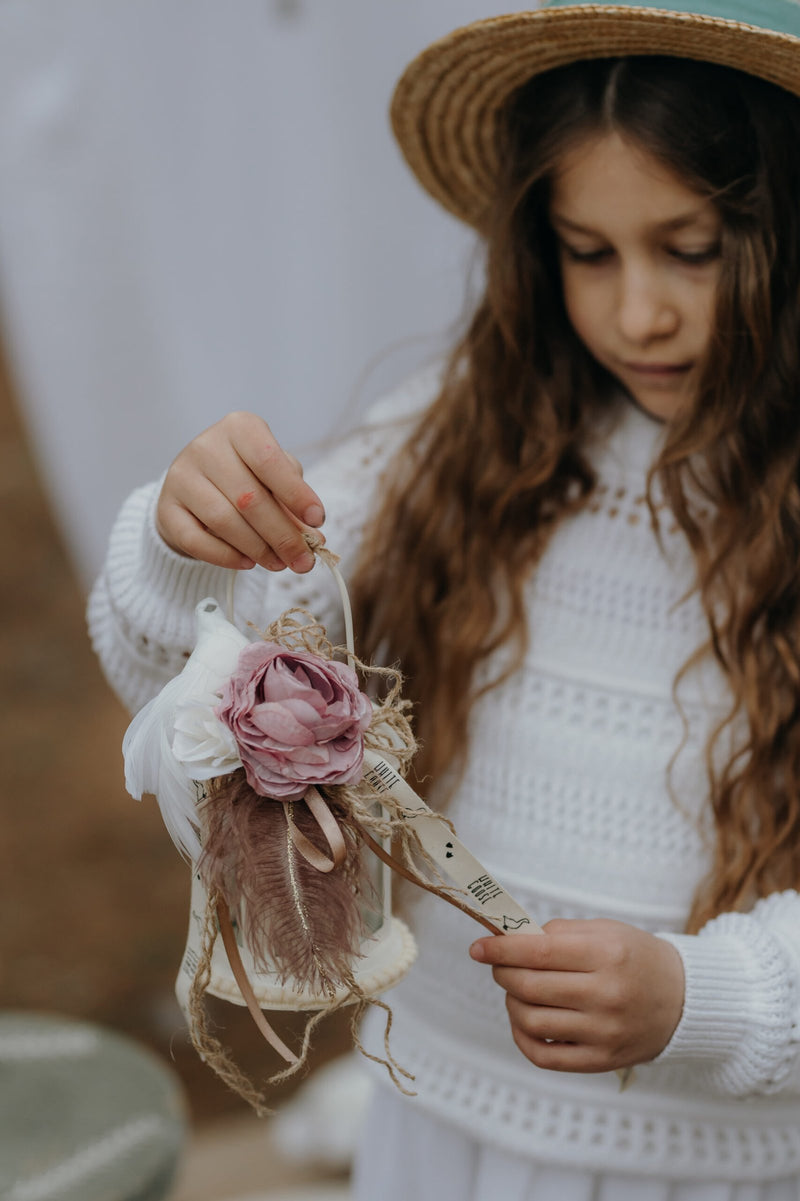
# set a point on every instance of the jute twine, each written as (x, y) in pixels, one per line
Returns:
(218, 1057)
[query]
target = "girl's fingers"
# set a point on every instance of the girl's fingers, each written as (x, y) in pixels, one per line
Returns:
(559, 989)
(204, 512)
(564, 1056)
(255, 475)
(275, 469)
(562, 1040)
(573, 951)
(243, 490)
(545, 1023)
(295, 462)
(213, 512)
(276, 528)
(189, 537)
(235, 507)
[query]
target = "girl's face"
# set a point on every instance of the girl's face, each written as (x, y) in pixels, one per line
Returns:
(640, 262)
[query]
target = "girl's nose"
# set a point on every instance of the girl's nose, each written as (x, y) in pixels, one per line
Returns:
(645, 311)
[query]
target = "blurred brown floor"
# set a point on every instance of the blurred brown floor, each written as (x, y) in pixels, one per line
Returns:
(95, 896)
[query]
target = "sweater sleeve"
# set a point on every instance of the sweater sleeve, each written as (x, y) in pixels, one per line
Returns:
(141, 609)
(740, 1024)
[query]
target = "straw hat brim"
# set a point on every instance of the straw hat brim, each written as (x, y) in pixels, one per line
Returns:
(445, 107)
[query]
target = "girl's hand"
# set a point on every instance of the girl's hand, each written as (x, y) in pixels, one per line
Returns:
(232, 497)
(587, 996)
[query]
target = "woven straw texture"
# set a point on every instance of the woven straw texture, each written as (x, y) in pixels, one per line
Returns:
(445, 106)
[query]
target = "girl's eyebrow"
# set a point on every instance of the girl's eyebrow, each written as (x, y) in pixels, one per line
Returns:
(670, 226)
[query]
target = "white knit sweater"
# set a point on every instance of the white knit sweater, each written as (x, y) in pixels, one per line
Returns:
(565, 799)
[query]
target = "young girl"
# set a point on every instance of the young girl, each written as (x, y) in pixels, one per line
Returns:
(581, 540)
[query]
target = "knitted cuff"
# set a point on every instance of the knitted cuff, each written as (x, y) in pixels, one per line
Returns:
(141, 610)
(167, 575)
(737, 1012)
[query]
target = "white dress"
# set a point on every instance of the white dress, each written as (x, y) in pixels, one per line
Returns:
(407, 1154)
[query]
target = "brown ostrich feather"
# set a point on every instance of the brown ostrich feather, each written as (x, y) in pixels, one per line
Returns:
(303, 924)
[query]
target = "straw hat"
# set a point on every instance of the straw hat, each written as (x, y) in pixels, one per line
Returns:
(445, 106)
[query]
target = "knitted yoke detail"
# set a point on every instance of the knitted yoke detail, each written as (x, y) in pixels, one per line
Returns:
(566, 797)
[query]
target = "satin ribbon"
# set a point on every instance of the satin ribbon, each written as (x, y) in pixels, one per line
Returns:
(331, 831)
(245, 988)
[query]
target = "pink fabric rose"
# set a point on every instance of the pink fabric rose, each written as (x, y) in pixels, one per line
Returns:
(298, 720)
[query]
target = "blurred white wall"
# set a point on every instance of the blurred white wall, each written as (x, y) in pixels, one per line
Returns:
(201, 209)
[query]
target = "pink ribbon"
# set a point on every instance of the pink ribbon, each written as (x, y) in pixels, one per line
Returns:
(329, 826)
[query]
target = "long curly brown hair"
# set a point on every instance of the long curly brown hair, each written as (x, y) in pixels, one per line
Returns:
(496, 463)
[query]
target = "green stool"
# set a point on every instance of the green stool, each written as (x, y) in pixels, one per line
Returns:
(85, 1115)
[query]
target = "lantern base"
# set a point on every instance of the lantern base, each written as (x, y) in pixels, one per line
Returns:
(385, 958)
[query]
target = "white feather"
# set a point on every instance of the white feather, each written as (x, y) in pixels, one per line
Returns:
(151, 764)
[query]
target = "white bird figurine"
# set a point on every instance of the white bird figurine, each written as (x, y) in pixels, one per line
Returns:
(177, 739)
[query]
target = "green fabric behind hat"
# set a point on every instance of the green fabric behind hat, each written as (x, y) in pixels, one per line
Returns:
(781, 16)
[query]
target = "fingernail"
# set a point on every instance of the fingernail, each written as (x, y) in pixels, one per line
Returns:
(476, 951)
(314, 515)
(304, 563)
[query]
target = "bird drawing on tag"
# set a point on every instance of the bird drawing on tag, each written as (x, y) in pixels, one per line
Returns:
(515, 923)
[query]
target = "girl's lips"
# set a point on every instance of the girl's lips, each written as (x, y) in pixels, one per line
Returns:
(658, 368)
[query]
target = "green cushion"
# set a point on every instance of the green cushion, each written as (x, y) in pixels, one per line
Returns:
(85, 1114)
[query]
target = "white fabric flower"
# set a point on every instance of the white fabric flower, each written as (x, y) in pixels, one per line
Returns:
(202, 744)
(203, 747)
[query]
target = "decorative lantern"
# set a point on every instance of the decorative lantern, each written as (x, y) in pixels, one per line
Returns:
(282, 782)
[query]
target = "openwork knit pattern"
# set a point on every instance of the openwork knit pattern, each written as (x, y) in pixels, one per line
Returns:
(567, 799)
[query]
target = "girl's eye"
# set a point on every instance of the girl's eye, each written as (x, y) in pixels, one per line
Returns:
(693, 258)
(586, 256)
(696, 258)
